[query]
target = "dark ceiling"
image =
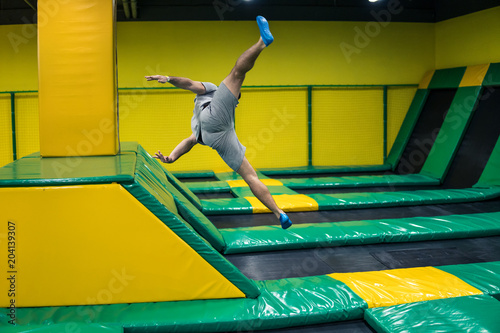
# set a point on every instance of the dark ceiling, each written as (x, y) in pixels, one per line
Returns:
(22, 11)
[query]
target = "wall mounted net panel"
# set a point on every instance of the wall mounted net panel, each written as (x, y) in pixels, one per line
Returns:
(27, 124)
(272, 124)
(5, 130)
(347, 126)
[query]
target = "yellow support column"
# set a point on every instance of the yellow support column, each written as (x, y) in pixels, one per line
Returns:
(77, 78)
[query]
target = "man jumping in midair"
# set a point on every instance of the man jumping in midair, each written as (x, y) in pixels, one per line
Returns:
(213, 120)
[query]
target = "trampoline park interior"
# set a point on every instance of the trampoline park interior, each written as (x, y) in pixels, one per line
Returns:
(375, 127)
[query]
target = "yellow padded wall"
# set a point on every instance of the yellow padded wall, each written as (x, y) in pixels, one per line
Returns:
(96, 244)
(304, 52)
(347, 126)
(5, 130)
(77, 79)
(18, 58)
(468, 40)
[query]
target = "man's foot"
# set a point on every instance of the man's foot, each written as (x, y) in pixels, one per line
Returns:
(265, 33)
(285, 221)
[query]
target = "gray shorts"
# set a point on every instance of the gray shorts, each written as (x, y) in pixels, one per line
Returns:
(217, 127)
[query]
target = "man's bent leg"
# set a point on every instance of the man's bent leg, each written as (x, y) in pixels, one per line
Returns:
(258, 188)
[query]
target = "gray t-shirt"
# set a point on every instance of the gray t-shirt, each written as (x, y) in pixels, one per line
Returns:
(199, 101)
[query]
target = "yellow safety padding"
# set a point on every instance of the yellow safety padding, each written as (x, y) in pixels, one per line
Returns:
(426, 80)
(96, 244)
(77, 78)
(287, 202)
(474, 75)
(398, 286)
(242, 183)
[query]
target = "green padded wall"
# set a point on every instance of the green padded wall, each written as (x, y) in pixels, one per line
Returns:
(447, 78)
(451, 133)
(492, 77)
(491, 173)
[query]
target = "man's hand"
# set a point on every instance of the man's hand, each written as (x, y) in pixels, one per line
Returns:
(164, 159)
(159, 78)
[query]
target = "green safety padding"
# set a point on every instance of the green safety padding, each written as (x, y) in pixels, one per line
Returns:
(407, 127)
(245, 191)
(209, 187)
(226, 206)
(451, 133)
(129, 146)
(363, 200)
(157, 190)
(282, 303)
(173, 180)
(181, 187)
(313, 235)
(235, 176)
(491, 173)
(32, 155)
(447, 78)
(227, 176)
(200, 223)
(358, 181)
(191, 237)
(304, 170)
(492, 77)
(54, 171)
(64, 328)
(402, 198)
(194, 174)
(484, 276)
(154, 183)
(478, 313)
(147, 165)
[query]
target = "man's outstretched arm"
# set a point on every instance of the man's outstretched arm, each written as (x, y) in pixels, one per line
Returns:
(179, 82)
(178, 151)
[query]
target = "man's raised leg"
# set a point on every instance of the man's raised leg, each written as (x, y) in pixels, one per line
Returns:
(246, 61)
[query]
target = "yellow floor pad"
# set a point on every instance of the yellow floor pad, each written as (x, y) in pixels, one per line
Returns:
(399, 286)
(287, 202)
